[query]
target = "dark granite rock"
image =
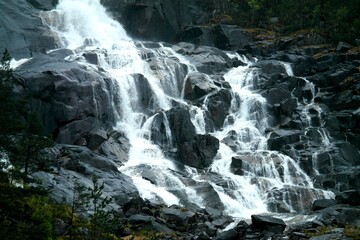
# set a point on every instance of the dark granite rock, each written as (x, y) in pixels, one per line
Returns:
(22, 31)
(322, 203)
(268, 223)
(200, 151)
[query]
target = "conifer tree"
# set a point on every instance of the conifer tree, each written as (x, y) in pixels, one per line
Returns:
(22, 144)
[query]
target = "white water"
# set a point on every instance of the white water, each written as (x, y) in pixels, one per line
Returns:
(83, 25)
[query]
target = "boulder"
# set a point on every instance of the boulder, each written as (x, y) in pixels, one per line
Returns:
(211, 199)
(237, 38)
(237, 165)
(96, 138)
(339, 215)
(322, 203)
(139, 222)
(271, 67)
(159, 133)
(207, 60)
(277, 95)
(280, 138)
(197, 85)
(180, 124)
(177, 218)
(218, 105)
(144, 93)
(268, 223)
(199, 152)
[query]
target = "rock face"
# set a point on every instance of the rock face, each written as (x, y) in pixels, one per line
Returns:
(22, 31)
(76, 163)
(70, 99)
(160, 20)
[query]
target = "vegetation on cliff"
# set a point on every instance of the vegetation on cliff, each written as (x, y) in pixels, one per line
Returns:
(335, 20)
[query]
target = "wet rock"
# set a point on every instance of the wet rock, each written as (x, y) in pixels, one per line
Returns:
(91, 57)
(61, 53)
(197, 85)
(116, 147)
(271, 67)
(43, 4)
(277, 95)
(268, 223)
(158, 131)
(211, 199)
(340, 215)
(237, 165)
(144, 93)
(299, 198)
(199, 152)
(181, 126)
(350, 154)
(322, 203)
(207, 60)
(161, 20)
(282, 138)
(218, 107)
(288, 106)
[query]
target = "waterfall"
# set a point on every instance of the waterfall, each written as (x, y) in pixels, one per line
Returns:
(244, 177)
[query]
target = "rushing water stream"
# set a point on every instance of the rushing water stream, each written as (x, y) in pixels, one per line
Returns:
(269, 181)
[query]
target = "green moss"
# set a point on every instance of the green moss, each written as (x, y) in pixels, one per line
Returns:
(352, 231)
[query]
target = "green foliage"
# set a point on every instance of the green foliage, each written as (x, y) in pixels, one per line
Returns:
(352, 231)
(25, 213)
(89, 216)
(337, 20)
(102, 221)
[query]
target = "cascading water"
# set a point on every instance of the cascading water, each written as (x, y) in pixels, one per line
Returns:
(244, 176)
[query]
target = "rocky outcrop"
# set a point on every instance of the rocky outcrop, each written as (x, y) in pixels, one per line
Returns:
(79, 164)
(162, 20)
(22, 31)
(71, 100)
